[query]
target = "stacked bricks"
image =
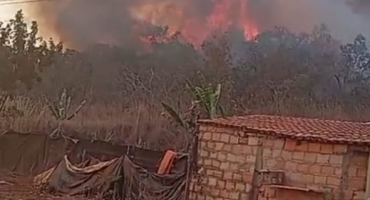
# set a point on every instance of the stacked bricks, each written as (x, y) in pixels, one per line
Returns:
(357, 173)
(227, 164)
(317, 166)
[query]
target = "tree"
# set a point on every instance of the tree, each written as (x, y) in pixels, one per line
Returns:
(23, 54)
(357, 55)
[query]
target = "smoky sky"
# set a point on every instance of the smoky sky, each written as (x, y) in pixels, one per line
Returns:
(84, 22)
(342, 17)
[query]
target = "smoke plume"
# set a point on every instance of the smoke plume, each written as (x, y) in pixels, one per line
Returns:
(83, 22)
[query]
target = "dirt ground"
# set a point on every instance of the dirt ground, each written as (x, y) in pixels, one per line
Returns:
(20, 188)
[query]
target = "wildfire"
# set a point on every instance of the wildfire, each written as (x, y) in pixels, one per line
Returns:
(180, 16)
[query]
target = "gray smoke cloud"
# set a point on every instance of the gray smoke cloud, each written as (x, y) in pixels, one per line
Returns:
(83, 22)
(345, 18)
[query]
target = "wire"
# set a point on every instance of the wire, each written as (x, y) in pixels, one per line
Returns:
(12, 2)
(8, 0)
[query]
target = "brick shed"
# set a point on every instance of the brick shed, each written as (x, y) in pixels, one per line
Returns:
(271, 157)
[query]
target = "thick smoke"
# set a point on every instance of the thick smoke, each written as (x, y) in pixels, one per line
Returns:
(360, 6)
(83, 22)
(343, 17)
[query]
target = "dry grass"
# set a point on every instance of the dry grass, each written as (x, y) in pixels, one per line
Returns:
(141, 125)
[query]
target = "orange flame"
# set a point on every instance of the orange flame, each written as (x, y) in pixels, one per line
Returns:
(224, 15)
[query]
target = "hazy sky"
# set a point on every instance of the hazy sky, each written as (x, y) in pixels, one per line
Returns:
(8, 11)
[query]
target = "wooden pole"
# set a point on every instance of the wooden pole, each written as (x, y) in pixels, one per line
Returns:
(368, 179)
(193, 129)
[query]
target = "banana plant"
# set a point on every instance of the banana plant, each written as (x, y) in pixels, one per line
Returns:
(60, 110)
(208, 97)
(175, 115)
(187, 121)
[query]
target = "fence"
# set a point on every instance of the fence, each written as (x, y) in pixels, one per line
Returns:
(133, 169)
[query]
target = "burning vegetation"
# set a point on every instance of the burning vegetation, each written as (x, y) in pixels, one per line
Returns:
(125, 23)
(133, 68)
(129, 63)
(223, 16)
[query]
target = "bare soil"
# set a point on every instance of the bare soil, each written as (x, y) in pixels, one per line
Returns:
(20, 188)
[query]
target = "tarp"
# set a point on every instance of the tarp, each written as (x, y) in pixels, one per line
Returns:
(41, 179)
(103, 151)
(29, 154)
(118, 178)
(73, 167)
(102, 178)
(139, 184)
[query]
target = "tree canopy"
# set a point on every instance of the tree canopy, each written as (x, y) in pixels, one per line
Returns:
(23, 54)
(280, 72)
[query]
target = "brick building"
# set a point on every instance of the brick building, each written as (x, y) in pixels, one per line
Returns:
(271, 157)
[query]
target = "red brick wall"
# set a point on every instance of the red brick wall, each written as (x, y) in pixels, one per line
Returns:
(227, 158)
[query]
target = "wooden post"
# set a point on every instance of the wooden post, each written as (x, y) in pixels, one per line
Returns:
(345, 169)
(368, 178)
(193, 129)
(189, 169)
(258, 165)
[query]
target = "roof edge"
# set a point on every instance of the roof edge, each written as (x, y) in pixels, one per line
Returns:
(281, 135)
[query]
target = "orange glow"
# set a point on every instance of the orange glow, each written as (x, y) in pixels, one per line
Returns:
(224, 15)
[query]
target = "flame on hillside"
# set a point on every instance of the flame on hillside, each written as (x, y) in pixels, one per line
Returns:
(194, 28)
(78, 24)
